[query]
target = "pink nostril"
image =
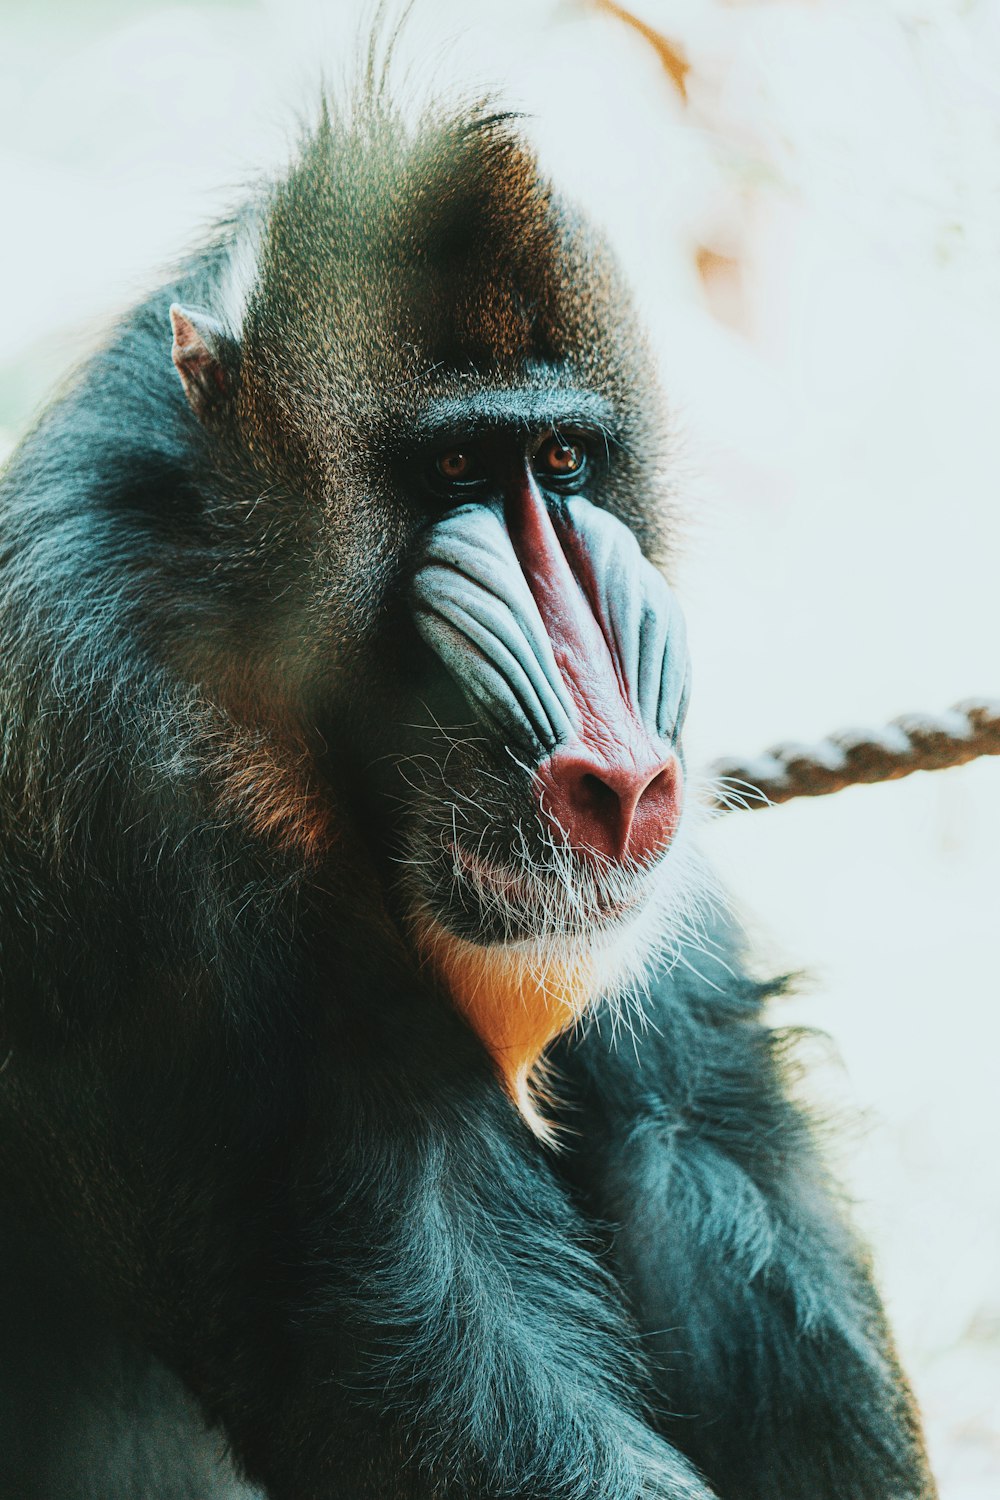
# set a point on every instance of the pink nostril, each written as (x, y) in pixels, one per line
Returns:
(622, 811)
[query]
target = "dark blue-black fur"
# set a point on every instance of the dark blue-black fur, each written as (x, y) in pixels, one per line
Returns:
(263, 1193)
(773, 1367)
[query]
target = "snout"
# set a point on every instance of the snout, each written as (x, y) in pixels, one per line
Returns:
(624, 810)
(570, 647)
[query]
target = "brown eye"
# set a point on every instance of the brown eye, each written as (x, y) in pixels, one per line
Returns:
(456, 466)
(559, 459)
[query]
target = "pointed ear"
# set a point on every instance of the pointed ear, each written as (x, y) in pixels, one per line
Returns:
(199, 346)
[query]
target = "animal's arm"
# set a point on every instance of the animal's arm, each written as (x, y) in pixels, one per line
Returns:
(758, 1310)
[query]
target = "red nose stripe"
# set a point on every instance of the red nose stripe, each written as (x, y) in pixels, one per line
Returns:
(578, 643)
(613, 789)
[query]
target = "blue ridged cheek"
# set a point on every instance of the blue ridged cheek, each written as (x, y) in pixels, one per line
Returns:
(473, 606)
(641, 615)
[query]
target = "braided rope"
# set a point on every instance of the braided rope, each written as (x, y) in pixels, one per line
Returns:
(915, 742)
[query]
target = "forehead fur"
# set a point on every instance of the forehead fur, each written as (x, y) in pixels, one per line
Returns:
(393, 261)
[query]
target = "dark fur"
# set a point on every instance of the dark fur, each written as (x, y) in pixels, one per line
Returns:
(243, 1139)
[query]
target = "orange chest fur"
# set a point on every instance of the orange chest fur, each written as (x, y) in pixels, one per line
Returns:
(516, 1001)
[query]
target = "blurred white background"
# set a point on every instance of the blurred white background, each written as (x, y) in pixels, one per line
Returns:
(807, 196)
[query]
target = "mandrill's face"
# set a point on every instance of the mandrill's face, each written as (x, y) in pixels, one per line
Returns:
(564, 786)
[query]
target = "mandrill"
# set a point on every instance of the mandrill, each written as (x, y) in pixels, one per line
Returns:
(344, 823)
